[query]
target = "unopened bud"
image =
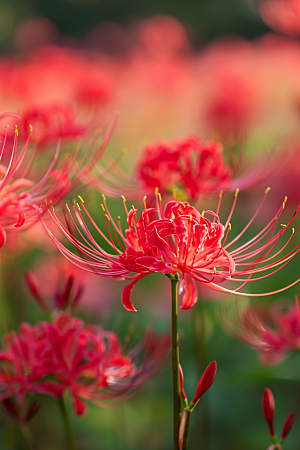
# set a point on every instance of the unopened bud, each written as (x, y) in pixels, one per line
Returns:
(287, 426)
(205, 381)
(35, 289)
(268, 406)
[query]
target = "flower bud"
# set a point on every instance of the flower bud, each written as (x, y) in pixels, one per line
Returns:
(268, 406)
(205, 381)
(287, 426)
(35, 289)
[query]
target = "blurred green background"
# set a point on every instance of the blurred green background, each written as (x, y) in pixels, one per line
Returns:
(204, 19)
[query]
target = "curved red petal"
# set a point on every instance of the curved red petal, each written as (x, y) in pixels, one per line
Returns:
(2, 236)
(126, 294)
(190, 295)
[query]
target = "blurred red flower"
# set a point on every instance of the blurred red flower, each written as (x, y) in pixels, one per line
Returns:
(65, 354)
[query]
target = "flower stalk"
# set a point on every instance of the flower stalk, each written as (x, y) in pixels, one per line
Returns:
(27, 435)
(175, 362)
(71, 444)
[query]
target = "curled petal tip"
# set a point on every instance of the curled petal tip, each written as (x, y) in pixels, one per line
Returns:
(126, 295)
(2, 236)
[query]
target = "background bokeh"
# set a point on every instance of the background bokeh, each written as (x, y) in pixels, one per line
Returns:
(229, 50)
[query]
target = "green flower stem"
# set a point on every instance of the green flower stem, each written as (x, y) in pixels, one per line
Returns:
(186, 430)
(27, 436)
(71, 444)
(175, 363)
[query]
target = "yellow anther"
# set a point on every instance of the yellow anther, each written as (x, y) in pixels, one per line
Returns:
(103, 196)
(107, 217)
(156, 191)
(144, 199)
(215, 269)
(191, 217)
(293, 230)
(124, 199)
(175, 265)
(202, 214)
(30, 129)
(284, 202)
(267, 190)
(78, 207)
(132, 206)
(16, 130)
(6, 126)
(67, 206)
(220, 194)
(236, 192)
(282, 225)
(159, 196)
(102, 206)
(229, 225)
(80, 198)
(119, 217)
(52, 208)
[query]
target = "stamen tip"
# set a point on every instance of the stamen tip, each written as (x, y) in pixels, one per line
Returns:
(80, 198)
(267, 190)
(236, 192)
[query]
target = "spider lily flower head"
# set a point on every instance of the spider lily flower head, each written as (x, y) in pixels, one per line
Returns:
(21, 196)
(178, 240)
(187, 169)
(187, 165)
(51, 123)
(65, 354)
(67, 293)
(281, 15)
(273, 331)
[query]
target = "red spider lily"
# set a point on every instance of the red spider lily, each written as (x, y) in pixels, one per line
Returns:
(20, 195)
(52, 123)
(188, 164)
(273, 331)
(187, 168)
(282, 15)
(178, 240)
(65, 354)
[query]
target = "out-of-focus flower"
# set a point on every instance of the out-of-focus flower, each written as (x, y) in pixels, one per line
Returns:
(273, 331)
(282, 15)
(67, 355)
(188, 166)
(51, 123)
(22, 191)
(187, 169)
(57, 284)
(178, 240)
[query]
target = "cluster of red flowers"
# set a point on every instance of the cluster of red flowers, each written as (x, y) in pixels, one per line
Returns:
(66, 355)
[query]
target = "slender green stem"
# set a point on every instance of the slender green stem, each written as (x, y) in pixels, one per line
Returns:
(27, 436)
(175, 364)
(186, 430)
(71, 444)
